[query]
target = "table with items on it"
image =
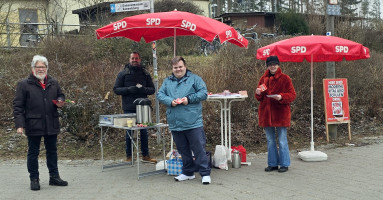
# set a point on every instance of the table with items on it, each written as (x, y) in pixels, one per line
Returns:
(128, 122)
(225, 99)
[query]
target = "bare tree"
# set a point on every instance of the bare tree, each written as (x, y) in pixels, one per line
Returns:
(365, 8)
(375, 11)
(349, 7)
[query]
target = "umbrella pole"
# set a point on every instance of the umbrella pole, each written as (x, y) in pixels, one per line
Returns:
(174, 43)
(312, 155)
(312, 105)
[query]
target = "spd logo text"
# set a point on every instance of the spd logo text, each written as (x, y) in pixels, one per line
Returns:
(298, 49)
(153, 21)
(188, 25)
(119, 25)
(341, 49)
(266, 52)
(229, 34)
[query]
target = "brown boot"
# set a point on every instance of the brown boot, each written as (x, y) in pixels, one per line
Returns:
(149, 159)
(128, 159)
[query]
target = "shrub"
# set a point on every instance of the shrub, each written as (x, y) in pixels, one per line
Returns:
(87, 68)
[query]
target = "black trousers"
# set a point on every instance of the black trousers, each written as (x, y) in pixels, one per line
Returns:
(33, 154)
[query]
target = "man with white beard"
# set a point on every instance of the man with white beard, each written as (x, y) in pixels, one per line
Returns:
(35, 112)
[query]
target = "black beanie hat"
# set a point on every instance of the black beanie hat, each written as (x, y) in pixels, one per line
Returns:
(272, 60)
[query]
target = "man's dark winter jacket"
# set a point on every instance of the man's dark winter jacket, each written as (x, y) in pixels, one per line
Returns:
(33, 108)
(130, 77)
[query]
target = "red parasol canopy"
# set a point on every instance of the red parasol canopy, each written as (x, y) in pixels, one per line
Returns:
(155, 26)
(321, 48)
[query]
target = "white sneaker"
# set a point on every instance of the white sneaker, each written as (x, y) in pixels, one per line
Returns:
(206, 180)
(183, 177)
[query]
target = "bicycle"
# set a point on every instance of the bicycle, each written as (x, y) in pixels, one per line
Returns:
(210, 48)
(249, 33)
(32, 36)
(206, 48)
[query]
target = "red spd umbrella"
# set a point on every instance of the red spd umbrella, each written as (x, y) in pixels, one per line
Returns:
(155, 26)
(314, 48)
(320, 48)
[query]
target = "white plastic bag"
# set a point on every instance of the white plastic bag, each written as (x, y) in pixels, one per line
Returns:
(220, 157)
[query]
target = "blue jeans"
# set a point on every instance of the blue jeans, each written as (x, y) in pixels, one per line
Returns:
(188, 141)
(143, 138)
(33, 154)
(275, 157)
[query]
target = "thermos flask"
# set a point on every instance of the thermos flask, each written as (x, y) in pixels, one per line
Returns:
(236, 160)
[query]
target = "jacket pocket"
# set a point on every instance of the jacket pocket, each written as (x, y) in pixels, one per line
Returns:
(34, 122)
(171, 119)
(56, 121)
(189, 117)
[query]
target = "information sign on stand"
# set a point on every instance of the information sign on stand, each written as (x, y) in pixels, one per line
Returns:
(333, 10)
(131, 6)
(336, 103)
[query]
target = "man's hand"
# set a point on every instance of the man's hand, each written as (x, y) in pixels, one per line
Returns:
(60, 103)
(20, 131)
(174, 103)
(132, 89)
(185, 101)
(141, 90)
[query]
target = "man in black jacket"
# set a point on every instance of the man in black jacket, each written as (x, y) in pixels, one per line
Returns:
(35, 111)
(134, 82)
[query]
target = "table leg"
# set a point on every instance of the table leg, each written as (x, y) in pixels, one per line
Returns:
(137, 153)
(229, 127)
(221, 122)
(130, 135)
(102, 152)
(163, 148)
(225, 116)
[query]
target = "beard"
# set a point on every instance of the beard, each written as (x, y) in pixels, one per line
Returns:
(40, 76)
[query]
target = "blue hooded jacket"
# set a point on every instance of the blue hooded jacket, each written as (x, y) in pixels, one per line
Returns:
(183, 117)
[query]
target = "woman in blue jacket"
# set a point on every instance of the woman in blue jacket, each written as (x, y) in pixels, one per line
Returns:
(183, 93)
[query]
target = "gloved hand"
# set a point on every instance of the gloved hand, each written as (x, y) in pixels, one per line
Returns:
(132, 89)
(141, 90)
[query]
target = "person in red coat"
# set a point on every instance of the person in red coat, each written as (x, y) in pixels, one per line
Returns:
(275, 92)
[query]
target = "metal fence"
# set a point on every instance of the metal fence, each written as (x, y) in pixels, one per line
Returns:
(30, 35)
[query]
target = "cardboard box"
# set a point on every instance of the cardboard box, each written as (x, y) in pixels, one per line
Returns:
(110, 119)
(123, 121)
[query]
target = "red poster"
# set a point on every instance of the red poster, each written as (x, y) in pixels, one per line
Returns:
(336, 100)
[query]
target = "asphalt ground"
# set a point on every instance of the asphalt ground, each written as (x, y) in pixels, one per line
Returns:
(349, 173)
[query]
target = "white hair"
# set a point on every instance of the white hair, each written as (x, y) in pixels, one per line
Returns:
(39, 58)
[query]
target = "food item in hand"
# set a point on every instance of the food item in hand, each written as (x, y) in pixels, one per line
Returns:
(263, 87)
(69, 101)
(179, 101)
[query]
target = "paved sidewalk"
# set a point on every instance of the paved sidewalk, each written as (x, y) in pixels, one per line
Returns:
(349, 173)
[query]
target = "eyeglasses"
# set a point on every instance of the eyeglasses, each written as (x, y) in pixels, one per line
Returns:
(40, 67)
(271, 65)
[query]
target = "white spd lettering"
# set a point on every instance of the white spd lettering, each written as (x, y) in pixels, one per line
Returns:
(298, 49)
(266, 52)
(340, 49)
(119, 25)
(229, 34)
(153, 21)
(240, 37)
(188, 25)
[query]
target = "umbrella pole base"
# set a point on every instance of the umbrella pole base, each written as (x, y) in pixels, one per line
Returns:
(312, 156)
